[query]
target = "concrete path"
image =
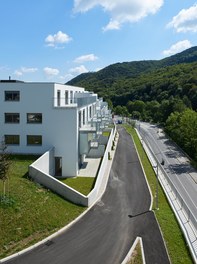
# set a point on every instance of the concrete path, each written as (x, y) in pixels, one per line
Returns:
(89, 167)
(108, 230)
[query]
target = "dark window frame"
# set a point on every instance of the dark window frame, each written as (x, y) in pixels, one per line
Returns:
(12, 96)
(37, 119)
(12, 118)
(12, 139)
(34, 140)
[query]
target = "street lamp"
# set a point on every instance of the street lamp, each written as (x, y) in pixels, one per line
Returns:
(157, 184)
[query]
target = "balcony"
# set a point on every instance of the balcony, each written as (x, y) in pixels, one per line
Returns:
(79, 101)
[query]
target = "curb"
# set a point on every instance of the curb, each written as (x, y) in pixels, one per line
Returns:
(128, 256)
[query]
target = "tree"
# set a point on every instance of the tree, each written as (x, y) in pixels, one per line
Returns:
(118, 110)
(4, 166)
(188, 127)
(110, 104)
(182, 128)
(152, 111)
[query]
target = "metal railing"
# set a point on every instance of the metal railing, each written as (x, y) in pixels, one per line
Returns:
(79, 102)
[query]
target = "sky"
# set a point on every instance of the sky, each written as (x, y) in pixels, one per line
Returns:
(56, 40)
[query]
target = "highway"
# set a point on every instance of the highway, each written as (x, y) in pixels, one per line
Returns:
(107, 231)
(177, 165)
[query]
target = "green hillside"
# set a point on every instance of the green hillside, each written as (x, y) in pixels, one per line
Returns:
(163, 91)
(145, 80)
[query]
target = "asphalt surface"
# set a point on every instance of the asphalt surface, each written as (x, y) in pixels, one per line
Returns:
(106, 233)
(177, 165)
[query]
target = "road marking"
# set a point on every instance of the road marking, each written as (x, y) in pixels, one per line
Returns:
(178, 179)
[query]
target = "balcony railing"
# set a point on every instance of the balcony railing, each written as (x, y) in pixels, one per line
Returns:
(74, 102)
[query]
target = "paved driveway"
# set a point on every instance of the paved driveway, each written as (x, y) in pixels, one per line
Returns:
(106, 233)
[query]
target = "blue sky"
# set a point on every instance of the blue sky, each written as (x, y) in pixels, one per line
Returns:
(56, 40)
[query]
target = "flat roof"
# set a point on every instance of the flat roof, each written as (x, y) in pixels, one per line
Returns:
(11, 81)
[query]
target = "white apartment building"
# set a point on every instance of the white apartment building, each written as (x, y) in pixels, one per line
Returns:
(35, 117)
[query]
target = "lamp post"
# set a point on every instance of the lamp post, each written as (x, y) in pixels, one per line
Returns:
(157, 188)
(157, 184)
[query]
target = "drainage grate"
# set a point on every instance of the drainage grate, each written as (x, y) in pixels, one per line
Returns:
(49, 243)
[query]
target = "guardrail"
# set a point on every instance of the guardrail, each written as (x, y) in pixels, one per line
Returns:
(184, 215)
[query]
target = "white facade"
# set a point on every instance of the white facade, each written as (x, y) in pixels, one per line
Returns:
(35, 117)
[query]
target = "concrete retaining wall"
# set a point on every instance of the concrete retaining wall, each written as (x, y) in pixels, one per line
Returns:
(42, 169)
(46, 162)
(102, 177)
(39, 171)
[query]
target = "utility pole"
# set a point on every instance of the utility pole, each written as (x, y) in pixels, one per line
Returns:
(157, 184)
(157, 188)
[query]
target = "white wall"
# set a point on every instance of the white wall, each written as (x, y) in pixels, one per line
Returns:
(58, 128)
(34, 98)
(58, 187)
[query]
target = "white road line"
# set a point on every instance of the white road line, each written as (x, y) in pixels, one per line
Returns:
(151, 136)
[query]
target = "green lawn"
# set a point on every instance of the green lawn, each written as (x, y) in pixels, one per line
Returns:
(175, 242)
(136, 257)
(82, 184)
(36, 213)
(106, 133)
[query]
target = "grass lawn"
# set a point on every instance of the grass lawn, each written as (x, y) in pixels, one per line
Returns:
(82, 184)
(36, 213)
(136, 257)
(106, 133)
(175, 242)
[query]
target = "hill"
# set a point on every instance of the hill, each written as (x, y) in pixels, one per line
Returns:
(145, 80)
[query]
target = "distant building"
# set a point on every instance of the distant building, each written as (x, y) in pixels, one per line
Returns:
(35, 117)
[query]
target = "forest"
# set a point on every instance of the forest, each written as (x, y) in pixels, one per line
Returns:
(159, 91)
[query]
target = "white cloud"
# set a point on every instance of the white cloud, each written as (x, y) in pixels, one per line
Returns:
(178, 47)
(56, 39)
(23, 70)
(51, 71)
(112, 25)
(78, 70)
(121, 11)
(85, 58)
(28, 70)
(98, 69)
(4, 68)
(67, 77)
(186, 20)
(18, 73)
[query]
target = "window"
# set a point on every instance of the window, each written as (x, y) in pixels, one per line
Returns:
(12, 96)
(12, 117)
(71, 97)
(34, 140)
(66, 97)
(35, 118)
(83, 116)
(79, 119)
(90, 112)
(58, 98)
(12, 139)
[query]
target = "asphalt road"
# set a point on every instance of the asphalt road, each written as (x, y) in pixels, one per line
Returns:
(177, 165)
(106, 233)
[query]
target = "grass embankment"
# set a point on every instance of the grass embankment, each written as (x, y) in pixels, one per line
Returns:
(136, 257)
(36, 212)
(175, 242)
(83, 185)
